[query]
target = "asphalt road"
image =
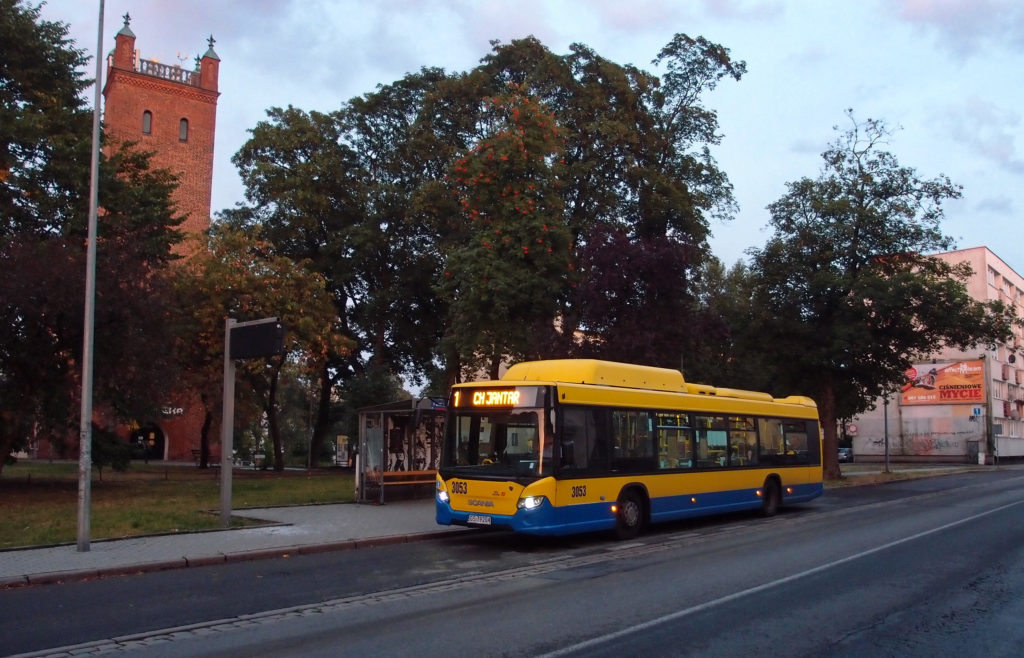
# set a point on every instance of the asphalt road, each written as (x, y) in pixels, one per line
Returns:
(917, 568)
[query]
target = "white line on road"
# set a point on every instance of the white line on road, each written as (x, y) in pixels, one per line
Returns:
(679, 614)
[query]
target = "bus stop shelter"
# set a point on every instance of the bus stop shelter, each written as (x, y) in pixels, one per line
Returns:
(399, 448)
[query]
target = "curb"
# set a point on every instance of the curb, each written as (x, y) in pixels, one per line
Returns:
(59, 577)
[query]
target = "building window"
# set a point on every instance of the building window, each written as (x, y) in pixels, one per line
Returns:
(183, 130)
(147, 122)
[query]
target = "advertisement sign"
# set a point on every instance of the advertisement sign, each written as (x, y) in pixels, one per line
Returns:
(962, 382)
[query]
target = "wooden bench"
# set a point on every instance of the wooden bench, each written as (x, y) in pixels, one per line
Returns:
(408, 481)
(387, 478)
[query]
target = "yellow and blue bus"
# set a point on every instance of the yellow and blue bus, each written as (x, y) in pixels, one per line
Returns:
(579, 445)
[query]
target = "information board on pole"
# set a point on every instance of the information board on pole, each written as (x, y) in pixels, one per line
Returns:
(259, 338)
(242, 340)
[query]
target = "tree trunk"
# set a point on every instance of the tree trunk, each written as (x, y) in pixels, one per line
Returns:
(495, 366)
(323, 419)
(272, 422)
(830, 444)
(8, 435)
(454, 369)
(204, 435)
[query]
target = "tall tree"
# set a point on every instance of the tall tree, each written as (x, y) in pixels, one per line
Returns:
(846, 296)
(241, 276)
(303, 192)
(511, 259)
(369, 194)
(357, 193)
(638, 187)
(44, 174)
(43, 120)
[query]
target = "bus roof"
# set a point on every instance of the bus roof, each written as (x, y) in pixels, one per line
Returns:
(625, 375)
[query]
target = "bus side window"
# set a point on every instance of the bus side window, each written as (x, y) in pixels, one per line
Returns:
(742, 449)
(633, 442)
(796, 441)
(770, 436)
(574, 439)
(673, 438)
(712, 441)
(599, 439)
(814, 442)
(584, 440)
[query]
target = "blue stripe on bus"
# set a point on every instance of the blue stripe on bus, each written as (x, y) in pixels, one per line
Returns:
(592, 517)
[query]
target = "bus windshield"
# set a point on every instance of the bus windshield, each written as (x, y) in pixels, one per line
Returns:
(509, 442)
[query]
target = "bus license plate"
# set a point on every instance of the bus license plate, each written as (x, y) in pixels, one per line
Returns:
(478, 519)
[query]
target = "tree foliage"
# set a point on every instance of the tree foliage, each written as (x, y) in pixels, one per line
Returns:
(638, 187)
(460, 219)
(239, 275)
(43, 120)
(45, 152)
(845, 293)
(508, 257)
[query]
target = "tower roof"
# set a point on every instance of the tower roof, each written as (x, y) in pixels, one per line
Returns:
(126, 31)
(209, 51)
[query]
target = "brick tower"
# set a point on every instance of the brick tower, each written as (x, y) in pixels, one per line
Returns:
(170, 111)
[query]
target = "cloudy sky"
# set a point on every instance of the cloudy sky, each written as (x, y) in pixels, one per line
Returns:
(949, 74)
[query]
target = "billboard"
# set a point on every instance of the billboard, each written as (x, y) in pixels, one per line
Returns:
(962, 382)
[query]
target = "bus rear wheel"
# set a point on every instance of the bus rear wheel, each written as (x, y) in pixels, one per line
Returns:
(772, 498)
(630, 516)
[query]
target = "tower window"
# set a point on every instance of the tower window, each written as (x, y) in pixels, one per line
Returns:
(183, 130)
(147, 122)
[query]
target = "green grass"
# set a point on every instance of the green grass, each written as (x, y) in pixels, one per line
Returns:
(873, 473)
(39, 500)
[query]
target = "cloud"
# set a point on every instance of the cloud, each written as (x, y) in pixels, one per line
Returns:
(997, 205)
(743, 10)
(987, 130)
(965, 27)
(807, 146)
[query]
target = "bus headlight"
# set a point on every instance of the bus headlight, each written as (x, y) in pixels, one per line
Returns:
(530, 502)
(442, 494)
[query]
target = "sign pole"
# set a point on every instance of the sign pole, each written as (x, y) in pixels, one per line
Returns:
(227, 428)
(885, 426)
(255, 339)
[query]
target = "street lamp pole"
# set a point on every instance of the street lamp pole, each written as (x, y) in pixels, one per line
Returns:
(885, 424)
(85, 426)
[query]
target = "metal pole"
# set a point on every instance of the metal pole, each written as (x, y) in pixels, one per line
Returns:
(885, 424)
(227, 428)
(85, 426)
(385, 455)
(990, 410)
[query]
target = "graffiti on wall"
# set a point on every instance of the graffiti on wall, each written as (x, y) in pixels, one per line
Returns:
(924, 443)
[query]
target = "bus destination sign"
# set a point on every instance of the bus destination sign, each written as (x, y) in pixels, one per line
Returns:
(486, 397)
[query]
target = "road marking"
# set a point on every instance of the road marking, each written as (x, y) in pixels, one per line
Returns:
(467, 580)
(593, 642)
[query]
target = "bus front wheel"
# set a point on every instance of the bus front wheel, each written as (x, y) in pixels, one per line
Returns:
(630, 515)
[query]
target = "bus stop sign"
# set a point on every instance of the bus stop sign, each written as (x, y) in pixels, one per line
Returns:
(257, 339)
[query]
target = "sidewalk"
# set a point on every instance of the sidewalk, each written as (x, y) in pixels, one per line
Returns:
(295, 531)
(851, 469)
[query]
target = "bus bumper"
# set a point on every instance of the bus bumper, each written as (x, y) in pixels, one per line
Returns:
(542, 520)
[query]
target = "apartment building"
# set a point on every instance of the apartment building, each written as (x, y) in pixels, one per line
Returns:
(956, 405)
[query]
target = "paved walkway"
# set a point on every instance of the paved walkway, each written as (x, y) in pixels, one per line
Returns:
(295, 530)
